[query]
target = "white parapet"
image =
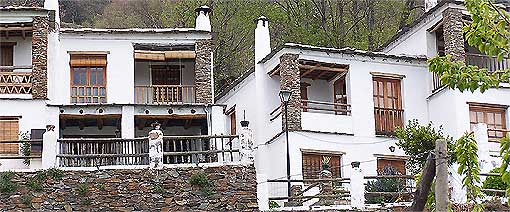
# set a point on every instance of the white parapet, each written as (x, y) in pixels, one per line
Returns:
(357, 187)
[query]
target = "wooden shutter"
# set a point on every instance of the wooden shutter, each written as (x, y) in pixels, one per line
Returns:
(6, 55)
(87, 60)
(233, 130)
(9, 128)
(312, 164)
(388, 111)
(492, 115)
(398, 164)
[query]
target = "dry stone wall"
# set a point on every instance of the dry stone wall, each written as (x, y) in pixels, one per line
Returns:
(203, 78)
(453, 34)
(290, 80)
(231, 188)
(40, 58)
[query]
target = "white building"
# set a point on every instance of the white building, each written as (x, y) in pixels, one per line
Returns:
(346, 103)
(102, 83)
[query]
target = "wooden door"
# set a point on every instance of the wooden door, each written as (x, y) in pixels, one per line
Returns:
(165, 81)
(340, 95)
(304, 95)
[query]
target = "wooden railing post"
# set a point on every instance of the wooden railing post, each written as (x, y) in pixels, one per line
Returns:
(49, 153)
(357, 187)
(156, 147)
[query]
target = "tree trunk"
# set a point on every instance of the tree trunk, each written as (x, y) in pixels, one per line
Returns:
(423, 188)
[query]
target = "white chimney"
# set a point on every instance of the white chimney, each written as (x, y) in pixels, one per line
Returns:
(262, 39)
(429, 4)
(203, 22)
(53, 5)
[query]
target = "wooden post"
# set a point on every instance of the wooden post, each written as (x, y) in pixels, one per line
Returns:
(423, 188)
(441, 176)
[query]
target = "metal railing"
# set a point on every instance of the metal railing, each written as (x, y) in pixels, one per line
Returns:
(15, 82)
(165, 94)
(92, 152)
(333, 107)
(387, 119)
(488, 62)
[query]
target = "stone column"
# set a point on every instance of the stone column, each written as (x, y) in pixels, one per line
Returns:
(203, 72)
(357, 187)
(40, 57)
(156, 147)
(326, 189)
(246, 142)
(289, 80)
(49, 151)
(453, 35)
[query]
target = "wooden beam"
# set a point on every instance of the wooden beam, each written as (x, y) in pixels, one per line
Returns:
(89, 116)
(7, 29)
(275, 71)
(172, 116)
(319, 75)
(423, 188)
(322, 68)
(307, 72)
(337, 76)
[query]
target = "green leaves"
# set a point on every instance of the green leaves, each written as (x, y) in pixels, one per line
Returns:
(467, 157)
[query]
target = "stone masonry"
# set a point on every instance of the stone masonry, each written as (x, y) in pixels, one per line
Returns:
(232, 188)
(203, 73)
(453, 35)
(40, 57)
(289, 80)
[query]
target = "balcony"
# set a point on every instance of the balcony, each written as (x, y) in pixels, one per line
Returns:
(165, 94)
(15, 82)
(387, 120)
(488, 62)
(326, 116)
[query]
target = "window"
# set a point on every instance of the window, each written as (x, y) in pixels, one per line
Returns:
(303, 86)
(233, 130)
(88, 78)
(6, 53)
(340, 95)
(312, 164)
(166, 74)
(492, 115)
(9, 129)
(396, 163)
(388, 111)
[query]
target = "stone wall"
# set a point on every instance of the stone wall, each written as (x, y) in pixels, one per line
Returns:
(290, 80)
(233, 188)
(203, 73)
(40, 57)
(453, 35)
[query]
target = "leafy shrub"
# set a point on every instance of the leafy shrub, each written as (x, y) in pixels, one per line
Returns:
(6, 184)
(82, 189)
(417, 141)
(55, 174)
(494, 182)
(201, 180)
(273, 204)
(27, 199)
(385, 185)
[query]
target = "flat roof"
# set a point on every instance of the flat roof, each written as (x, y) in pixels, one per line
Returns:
(132, 30)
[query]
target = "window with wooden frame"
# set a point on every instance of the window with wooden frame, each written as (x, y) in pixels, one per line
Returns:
(340, 96)
(303, 86)
(165, 82)
(492, 115)
(313, 164)
(88, 78)
(396, 163)
(7, 53)
(233, 122)
(9, 128)
(388, 112)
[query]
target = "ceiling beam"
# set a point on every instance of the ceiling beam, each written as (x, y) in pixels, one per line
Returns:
(322, 68)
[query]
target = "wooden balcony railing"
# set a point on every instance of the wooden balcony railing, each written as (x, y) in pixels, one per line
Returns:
(93, 152)
(496, 134)
(387, 119)
(88, 94)
(335, 108)
(165, 94)
(484, 61)
(15, 82)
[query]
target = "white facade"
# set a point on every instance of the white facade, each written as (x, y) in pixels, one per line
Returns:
(121, 115)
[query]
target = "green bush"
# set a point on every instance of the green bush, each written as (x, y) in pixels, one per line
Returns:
(385, 185)
(6, 184)
(82, 189)
(55, 174)
(494, 182)
(201, 180)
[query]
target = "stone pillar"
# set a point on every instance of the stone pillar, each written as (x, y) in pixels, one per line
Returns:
(49, 151)
(156, 147)
(357, 187)
(40, 57)
(203, 72)
(326, 188)
(295, 191)
(453, 35)
(246, 142)
(289, 80)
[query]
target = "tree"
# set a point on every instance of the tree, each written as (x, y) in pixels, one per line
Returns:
(489, 31)
(417, 141)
